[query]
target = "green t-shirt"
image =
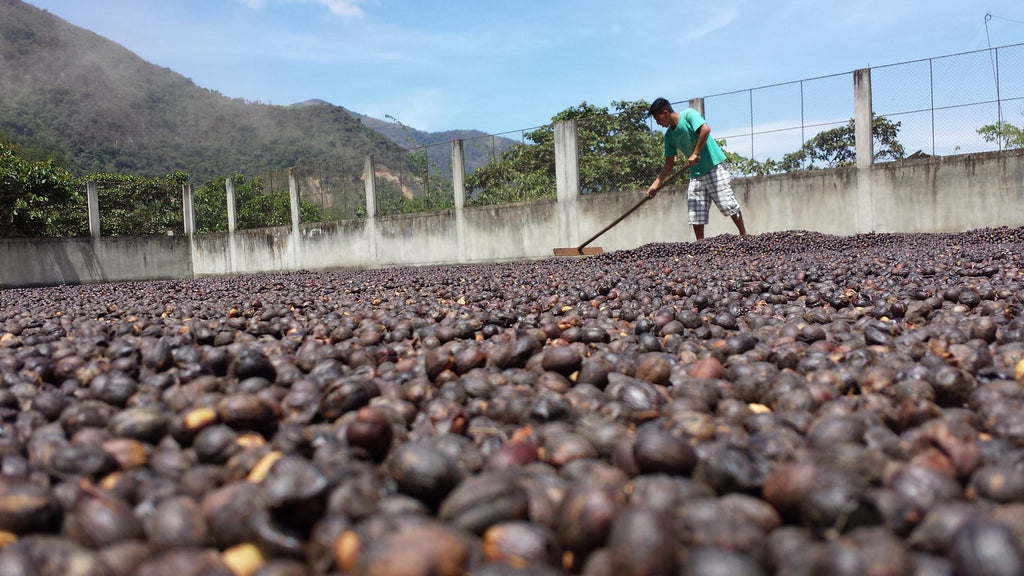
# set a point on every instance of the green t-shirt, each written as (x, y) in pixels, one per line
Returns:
(683, 137)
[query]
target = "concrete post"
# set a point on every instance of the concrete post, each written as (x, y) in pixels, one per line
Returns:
(369, 181)
(864, 147)
(459, 189)
(93, 202)
(567, 183)
(229, 190)
(862, 124)
(698, 105)
(567, 168)
(293, 200)
(188, 208)
(459, 173)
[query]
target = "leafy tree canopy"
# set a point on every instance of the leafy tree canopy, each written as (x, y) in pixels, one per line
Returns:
(617, 151)
(1005, 135)
(35, 195)
(138, 206)
(832, 148)
(38, 198)
(256, 207)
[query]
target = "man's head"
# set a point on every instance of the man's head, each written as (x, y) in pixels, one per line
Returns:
(661, 111)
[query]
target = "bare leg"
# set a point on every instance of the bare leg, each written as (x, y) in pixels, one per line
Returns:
(738, 220)
(698, 231)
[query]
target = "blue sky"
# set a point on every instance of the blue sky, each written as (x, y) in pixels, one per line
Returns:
(505, 65)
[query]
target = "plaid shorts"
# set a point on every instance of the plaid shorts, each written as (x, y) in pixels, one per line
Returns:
(707, 187)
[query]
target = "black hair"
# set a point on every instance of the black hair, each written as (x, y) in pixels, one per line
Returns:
(658, 105)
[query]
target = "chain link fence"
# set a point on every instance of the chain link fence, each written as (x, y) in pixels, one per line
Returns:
(617, 152)
(415, 180)
(336, 189)
(962, 103)
(772, 123)
(273, 206)
(405, 181)
(139, 206)
(510, 167)
(958, 104)
(343, 188)
(482, 150)
(1008, 69)
(943, 105)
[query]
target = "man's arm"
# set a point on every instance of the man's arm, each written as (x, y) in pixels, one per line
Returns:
(666, 169)
(703, 133)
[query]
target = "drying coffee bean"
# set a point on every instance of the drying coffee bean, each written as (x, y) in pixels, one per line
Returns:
(779, 403)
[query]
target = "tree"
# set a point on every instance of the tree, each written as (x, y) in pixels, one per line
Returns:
(211, 203)
(521, 173)
(38, 198)
(255, 207)
(747, 166)
(426, 189)
(429, 190)
(617, 151)
(138, 206)
(1005, 135)
(832, 148)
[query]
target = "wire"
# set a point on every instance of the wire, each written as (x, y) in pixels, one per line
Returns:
(990, 16)
(995, 71)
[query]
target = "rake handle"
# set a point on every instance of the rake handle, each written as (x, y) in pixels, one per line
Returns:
(664, 183)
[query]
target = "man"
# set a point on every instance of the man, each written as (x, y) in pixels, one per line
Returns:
(688, 133)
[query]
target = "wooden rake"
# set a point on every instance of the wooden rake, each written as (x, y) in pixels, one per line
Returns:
(585, 250)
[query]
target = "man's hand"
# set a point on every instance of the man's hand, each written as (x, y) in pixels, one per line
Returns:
(652, 191)
(692, 160)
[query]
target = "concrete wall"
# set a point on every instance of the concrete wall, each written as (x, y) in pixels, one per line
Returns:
(949, 194)
(37, 262)
(940, 194)
(819, 200)
(946, 194)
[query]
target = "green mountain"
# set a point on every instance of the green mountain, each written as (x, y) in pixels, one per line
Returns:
(478, 147)
(98, 107)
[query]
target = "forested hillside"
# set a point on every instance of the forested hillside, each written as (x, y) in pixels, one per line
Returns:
(478, 147)
(97, 107)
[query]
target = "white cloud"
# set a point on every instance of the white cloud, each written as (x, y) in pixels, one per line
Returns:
(340, 8)
(717, 19)
(423, 109)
